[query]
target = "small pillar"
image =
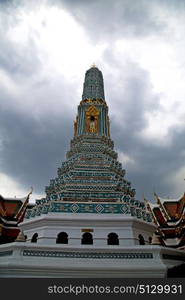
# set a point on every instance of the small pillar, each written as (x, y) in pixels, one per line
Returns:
(156, 239)
(20, 237)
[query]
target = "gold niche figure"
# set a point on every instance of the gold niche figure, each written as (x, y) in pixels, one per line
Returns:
(92, 116)
(92, 125)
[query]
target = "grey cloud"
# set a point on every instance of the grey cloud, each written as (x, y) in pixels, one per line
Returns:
(130, 93)
(20, 62)
(114, 19)
(155, 164)
(16, 59)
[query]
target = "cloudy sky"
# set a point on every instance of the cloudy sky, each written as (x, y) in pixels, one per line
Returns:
(45, 49)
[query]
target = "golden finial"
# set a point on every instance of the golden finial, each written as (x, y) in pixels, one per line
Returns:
(31, 190)
(93, 66)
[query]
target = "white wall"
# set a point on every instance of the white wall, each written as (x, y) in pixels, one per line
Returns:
(48, 227)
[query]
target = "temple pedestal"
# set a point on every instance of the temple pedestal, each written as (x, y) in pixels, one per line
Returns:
(32, 260)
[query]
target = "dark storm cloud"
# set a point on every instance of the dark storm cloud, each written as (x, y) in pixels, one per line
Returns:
(32, 148)
(155, 164)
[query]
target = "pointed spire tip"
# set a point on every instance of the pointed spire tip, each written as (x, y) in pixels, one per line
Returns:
(93, 65)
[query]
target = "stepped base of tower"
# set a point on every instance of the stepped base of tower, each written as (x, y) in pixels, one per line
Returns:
(53, 261)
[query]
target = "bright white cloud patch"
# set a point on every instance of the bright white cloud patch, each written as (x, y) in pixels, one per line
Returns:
(126, 160)
(10, 188)
(177, 179)
(62, 44)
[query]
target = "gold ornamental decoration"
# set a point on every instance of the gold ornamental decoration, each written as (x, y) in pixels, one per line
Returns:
(92, 117)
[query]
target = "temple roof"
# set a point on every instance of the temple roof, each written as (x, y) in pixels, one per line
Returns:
(172, 208)
(169, 216)
(13, 208)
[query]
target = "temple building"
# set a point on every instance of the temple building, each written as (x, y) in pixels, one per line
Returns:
(12, 212)
(90, 223)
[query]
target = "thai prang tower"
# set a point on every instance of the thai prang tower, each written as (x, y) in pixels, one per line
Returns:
(91, 171)
(89, 224)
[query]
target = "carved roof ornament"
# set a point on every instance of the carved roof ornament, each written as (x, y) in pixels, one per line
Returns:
(31, 191)
(92, 111)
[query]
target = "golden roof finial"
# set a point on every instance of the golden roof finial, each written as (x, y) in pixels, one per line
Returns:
(93, 66)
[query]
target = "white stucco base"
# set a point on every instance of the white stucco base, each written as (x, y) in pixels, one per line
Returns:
(21, 259)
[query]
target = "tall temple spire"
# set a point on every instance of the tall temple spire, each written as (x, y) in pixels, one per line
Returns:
(93, 85)
(91, 172)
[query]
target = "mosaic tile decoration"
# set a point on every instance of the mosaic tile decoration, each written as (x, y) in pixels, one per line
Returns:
(89, 255)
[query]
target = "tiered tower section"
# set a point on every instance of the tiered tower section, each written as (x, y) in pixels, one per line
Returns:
(91, 179)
